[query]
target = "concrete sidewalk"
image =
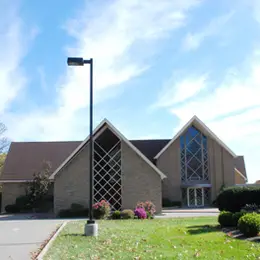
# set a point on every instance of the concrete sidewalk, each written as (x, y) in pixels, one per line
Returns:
(18, 238)
(190, 210)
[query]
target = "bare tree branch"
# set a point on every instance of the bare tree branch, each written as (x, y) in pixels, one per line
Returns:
(4, 141)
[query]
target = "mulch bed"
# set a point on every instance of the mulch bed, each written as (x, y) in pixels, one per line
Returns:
(234, 233)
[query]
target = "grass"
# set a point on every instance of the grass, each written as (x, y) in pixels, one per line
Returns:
(188, 238)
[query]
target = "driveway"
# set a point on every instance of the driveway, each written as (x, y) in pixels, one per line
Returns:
(19, 236)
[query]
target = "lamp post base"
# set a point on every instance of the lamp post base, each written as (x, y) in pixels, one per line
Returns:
(91, 229)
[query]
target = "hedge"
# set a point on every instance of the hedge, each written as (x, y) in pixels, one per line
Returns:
(249, 224)
(233, 199)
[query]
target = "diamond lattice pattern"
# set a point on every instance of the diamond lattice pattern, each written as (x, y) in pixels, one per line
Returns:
(107, 173)
(194, 156)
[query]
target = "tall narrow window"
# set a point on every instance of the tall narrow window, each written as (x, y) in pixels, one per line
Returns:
(107, 169)
(194, 156)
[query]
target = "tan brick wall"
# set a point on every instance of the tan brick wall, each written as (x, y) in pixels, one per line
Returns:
(239, 179)
(71, 184)
(169, 164)
(140, 182)
(10, 191)
(221, 167)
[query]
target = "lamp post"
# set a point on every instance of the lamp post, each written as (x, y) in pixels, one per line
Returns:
(91, 228)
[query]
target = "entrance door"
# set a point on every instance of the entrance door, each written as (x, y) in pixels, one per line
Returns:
(195, 197)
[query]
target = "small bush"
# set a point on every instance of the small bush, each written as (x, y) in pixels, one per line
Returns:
(225, 219)
(101, 210)
(116, 215)
(76, 207)
(140, 213)
(169, 203)
(236, 216)
(75, 211)
(127, 214)
(249, 224)
(11, 209)
(148, 206)
(23, 203)
(251, 208)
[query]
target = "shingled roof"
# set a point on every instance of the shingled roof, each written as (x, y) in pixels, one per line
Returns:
(25, 158)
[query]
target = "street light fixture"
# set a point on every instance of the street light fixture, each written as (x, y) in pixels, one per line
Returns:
(91, 228)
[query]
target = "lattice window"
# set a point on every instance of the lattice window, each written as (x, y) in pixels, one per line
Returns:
(207, 196)
(107, 169)
(194, 156)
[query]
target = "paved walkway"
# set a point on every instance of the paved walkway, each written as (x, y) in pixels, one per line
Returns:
(22, 234)
(183, 213)
(19, 237)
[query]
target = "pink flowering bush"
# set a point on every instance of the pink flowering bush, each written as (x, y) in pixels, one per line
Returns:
(140, 213)
(149, 207)
(101, 210)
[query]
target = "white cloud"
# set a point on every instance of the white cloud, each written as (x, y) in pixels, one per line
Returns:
(232, 111)
(114, 37)
(120, 36)
(192, 41)
(14, 45)
(178, 91)
(233, 95)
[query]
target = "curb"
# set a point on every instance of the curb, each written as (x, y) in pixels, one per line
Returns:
(48, 245)
(190, 212)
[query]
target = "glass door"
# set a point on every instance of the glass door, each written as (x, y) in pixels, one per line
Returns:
(195, 197)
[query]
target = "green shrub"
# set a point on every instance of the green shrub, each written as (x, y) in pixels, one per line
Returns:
(251, 208)
(169, 203)
(11, 209)
(76, 207)
(116, 215)
(127, 214)
(249, 224)
(236, 216)
(23, 203)
(225, 219)
(75, 211)
(233, 199)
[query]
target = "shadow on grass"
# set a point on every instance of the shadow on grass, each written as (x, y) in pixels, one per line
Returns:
(201, 229)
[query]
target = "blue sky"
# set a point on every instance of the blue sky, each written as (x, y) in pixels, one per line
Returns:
(156, 64)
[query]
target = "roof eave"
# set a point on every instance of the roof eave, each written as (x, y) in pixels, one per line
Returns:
(183, 129)
(117, 133)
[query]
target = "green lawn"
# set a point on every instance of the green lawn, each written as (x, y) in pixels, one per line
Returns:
(152, 239)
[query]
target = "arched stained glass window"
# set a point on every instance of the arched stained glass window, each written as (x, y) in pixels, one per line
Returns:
(194, 155)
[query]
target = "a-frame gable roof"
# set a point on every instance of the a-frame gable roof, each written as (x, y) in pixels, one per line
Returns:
(197, 121)
(98, 130)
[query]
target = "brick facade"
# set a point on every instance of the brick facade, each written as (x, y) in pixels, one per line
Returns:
(140, 182)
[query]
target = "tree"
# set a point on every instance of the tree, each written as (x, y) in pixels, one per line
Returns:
(4, 142)
(2, 160)
(38, 188)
